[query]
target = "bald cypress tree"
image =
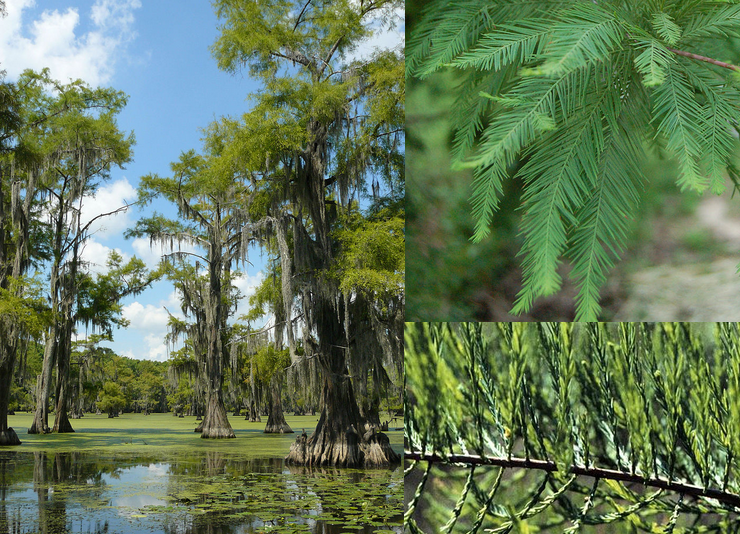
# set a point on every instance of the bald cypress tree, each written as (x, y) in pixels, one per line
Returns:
(323, 132)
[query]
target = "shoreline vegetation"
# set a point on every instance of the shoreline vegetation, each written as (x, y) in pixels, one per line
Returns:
(167, 433)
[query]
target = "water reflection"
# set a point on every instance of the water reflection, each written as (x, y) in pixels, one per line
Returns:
(210, 492)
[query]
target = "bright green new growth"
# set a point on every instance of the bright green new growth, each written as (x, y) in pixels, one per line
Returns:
(560, 427)
(563, 95)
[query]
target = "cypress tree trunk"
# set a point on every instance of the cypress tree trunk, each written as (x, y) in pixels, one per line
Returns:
(336, 440)
(61, 419)
(276, 423)
(40, 423)
(216, 422)
(370, 410)
(8, 436)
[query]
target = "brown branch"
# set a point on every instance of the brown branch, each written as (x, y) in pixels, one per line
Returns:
(717, 62)
(298, 20)
(724, 497)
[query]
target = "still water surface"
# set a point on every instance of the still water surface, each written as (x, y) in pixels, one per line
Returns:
(204, 492)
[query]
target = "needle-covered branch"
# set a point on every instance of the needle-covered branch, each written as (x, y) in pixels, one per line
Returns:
(637, 406)
(680, 488)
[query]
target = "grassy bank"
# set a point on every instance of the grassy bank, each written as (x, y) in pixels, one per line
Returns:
(161, 433)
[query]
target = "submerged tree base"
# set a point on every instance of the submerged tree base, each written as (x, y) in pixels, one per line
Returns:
(215, 424)
(325, 448)
(9, 437)
(280, 428)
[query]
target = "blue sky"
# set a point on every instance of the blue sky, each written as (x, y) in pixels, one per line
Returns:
(157, 52)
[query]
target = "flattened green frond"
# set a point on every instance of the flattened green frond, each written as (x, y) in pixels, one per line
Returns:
(470, 109)
(447, 29)
(516, 127)
(664, 26)
(678, 115)
(487, 187)
(542, 103)
(653, 62)
(558, 175)
(531, 76)
(720, 113)
(719, 22)
(603, 222)
(509, 44)
(587, 33)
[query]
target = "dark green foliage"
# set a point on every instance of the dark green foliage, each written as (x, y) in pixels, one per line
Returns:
(567, 426)
(573, 90)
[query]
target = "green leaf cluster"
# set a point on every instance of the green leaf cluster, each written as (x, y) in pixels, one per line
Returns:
(111, 399)
(564, 96)
(641, 402)
(373, 256)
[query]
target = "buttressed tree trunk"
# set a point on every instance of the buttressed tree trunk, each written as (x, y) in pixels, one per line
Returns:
(276, 423)
(216, 422)
(8, 436)
(338, 439)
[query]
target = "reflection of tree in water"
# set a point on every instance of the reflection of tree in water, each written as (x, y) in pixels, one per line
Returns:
(239, 494)
(243, 494)
(8, 523)
(335, 499)
(54, 474)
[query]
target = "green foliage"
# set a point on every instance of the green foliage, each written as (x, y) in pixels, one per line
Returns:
(630, 425)
(373, 256)
(563, 96)
(182, 397)
(99, 298)
(112, 399)
(269, 361)
(23, 306)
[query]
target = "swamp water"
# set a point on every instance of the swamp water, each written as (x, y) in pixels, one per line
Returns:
(205, 487)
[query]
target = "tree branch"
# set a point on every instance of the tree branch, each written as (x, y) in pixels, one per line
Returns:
(691, 55)
(724, 497)
(185, 252)
(295, 56)
(300, 15)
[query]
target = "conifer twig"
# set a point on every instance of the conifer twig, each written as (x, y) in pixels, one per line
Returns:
(704, 58)
(724, 497)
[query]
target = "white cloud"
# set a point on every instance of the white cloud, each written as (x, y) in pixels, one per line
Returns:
(108, 198)
(52, 41)
(148, 326)
(247, 284)
(147, 318)
(385, 36)
(96, 254)
(156, 347)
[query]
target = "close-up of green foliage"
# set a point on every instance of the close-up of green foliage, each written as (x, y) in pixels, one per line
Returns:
(572, 427)
(567, 97)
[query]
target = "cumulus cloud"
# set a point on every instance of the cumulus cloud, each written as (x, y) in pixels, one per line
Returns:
(148, 328)
(53, 40)
(157, 350)
(246, 284)
(388, 34)
(148, 318)
(108, 198)
(96, 255)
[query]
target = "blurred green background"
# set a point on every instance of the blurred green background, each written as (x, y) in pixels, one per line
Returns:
(680, 263)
